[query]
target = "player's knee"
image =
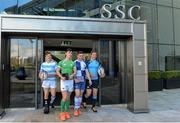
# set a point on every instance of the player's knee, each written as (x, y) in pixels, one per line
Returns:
(64, 98)
(77, 95)
(88, 94)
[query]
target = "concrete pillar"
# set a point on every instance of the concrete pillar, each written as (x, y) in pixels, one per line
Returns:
(139, 92)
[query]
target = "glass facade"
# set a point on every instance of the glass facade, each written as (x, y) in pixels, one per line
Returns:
(22, 69)
(162, 18)
(162, 33)
(24, 87)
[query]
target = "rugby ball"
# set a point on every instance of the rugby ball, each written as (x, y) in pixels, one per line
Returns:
(43, 75)
(101, 72)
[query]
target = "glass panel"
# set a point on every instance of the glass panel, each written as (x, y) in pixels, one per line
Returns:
(74, 8)
(166, 57)
(165, 2)
(151, 11)
(153, 63)
(177, 57)
(33, 7)
(165, 25)
(8, 6)
(23, 2)
(176, 3)
(149, 1)
(110, 85)
(23, 69)
(177, 25)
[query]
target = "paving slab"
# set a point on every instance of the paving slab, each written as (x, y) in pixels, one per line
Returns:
(164, 106)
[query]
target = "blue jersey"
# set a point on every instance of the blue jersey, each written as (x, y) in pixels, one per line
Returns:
(93, 66)
(80, 68)
(50, 68)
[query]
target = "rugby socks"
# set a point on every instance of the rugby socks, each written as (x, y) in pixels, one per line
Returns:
(80, 101)
(46, 106)
(67, 106)
(46, 103)
(94, 100)
(62, 105)
(52, 99)
(76, 103)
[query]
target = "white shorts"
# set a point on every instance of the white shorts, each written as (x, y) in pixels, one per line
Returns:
(67, 85)
(49, 84)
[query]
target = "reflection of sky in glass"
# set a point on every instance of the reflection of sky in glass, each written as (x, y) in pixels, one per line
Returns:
(21, 2)
(26, 47)
(9, 3)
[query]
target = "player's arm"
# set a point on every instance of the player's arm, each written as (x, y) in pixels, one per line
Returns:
(59, 74)
(40, 72)
(102, 70)
(74, 72)
(59, 66)
(88, 76)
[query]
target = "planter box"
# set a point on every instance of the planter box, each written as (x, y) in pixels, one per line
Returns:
(155, 85)
(171, 83)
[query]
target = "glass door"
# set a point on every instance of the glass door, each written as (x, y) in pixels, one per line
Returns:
(112, 57)
(25, 53)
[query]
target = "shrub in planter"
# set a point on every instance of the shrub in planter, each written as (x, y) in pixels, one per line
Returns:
(155, 83)
(171, 79)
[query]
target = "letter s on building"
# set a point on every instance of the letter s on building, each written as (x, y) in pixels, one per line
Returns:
(120, 11)
(104, 10)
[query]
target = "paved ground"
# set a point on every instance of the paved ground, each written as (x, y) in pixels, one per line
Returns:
(164, 106)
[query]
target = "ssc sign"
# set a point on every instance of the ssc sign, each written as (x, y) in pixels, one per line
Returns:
(119, 12)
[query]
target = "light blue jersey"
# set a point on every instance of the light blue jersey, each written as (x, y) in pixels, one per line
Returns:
(93, 66)
(50, 68)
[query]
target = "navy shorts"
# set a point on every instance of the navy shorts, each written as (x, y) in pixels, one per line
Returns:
(95, 84)
(80, 85)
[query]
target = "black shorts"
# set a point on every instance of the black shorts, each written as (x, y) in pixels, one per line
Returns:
(95, 84)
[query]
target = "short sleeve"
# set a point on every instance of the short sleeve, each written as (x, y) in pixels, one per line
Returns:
(41, 68)
(100, 65)
(55, 65)
(87, 62)
(59, 65)
(85, 66)
(74, 65)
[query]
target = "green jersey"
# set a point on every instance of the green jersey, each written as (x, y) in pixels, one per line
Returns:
(66, 66)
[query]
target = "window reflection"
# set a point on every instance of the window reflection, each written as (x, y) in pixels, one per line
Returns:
(165, 18)
(165, 2)
(110, 85)
(166, 57)
(177, 57)
(8, 6)
(176, 3)
(22, 72)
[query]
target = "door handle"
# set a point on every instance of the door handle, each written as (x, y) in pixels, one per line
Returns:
(3, 67)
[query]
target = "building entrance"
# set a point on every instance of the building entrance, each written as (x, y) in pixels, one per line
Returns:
(111, 54)
(121, 47)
